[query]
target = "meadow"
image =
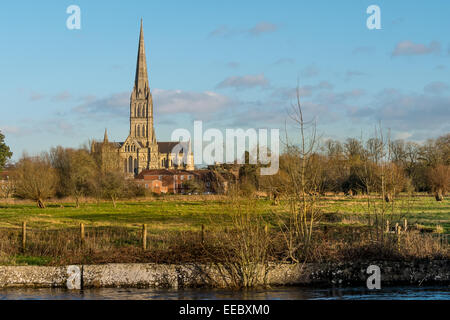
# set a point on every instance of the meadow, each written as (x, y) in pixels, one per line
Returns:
(174, 229)
(183, 213)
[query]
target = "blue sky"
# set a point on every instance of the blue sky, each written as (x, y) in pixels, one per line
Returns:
(229, 63)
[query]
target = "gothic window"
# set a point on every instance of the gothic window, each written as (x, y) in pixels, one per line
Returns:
(143, 110)
(143, 130)
(138, 131)
(130, 164)
(135, 110)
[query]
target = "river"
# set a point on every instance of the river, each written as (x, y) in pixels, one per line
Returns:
(276, 293)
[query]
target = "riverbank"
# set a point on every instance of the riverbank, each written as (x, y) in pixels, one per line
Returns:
(194, 275)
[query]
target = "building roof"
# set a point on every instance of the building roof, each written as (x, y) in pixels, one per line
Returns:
(161, 172)
(168, 147)
(99, 144)
(4, 175)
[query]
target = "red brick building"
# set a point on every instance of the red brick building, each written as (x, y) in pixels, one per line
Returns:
(164, 180)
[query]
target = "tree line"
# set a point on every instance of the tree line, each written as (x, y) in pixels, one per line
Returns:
(376, 165)
(67, 172)
(360, 167)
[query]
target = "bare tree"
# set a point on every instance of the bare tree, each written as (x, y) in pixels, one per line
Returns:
(440, 180)
(244, 250)
(76, 170)
(304, 186)
(7, 188)
(112, 185)
(34, 179)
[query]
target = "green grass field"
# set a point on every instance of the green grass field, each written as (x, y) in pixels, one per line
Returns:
(113, 235)
(182, 213)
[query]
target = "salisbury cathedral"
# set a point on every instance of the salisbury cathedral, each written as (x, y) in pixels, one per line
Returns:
(141, 151)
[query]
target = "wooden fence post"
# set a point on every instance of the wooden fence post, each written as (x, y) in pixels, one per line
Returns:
(203, 233)
(398, 231)
(82, 233)
(387, 226)
(144, 237)
(405, 224)
(24, 236)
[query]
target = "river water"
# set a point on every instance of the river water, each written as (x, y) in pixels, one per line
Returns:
(276, 293)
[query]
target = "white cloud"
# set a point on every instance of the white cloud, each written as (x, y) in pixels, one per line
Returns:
(436, 87)
(63, 96)
(310, 71)
(10, 130)
(260, 28)
(117, 104)
(406, 112)
(403, 135)
(263, 27)
(178, 101)
(335, 98)
(350, 74)
(304, 91)
(35, 96)
(409, 48)
(164, 102)
(284, 61)
(55, 126)
(233, 64)
(221, 31)
(244, 82)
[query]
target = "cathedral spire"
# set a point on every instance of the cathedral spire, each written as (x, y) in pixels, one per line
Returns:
(141, 81)
(105, 138)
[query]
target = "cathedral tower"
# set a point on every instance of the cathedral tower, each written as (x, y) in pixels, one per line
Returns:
(141, 102)
(140, 151)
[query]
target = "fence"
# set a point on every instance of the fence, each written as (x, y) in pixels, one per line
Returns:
(87, 243)
(109, 243)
